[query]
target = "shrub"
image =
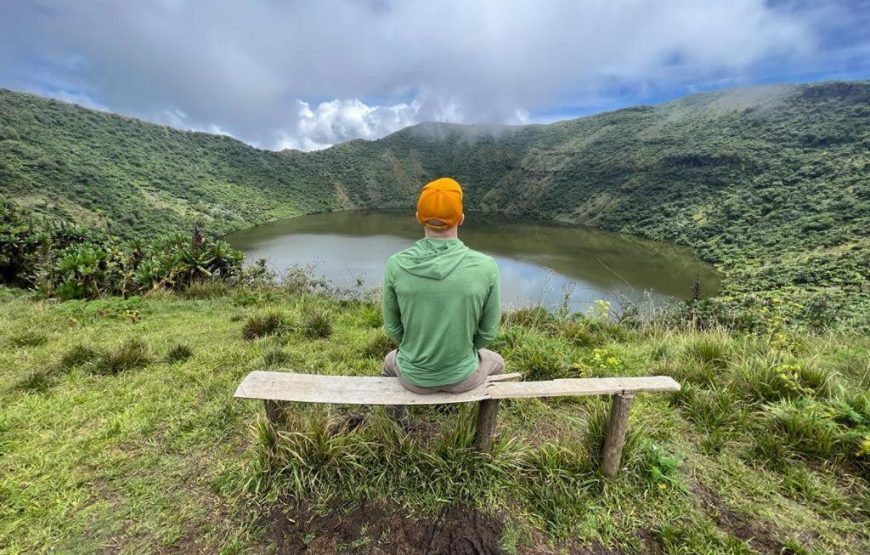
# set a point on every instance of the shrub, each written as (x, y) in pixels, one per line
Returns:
(300, 280)
(318, 324)
(131, 354)
(264, 324)
(820, 313)
(658, 466)
(852, 409)
(74, 262)
(179, 353)
(21, 240)
(582, 335)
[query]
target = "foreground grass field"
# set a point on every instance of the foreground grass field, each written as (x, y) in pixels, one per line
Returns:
(118, 433)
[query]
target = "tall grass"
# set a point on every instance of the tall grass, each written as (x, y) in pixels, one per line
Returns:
(265, 324)
(760, 425)
(131, 354)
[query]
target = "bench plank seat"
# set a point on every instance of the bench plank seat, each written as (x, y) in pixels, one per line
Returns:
(371, 390)
(277, 388)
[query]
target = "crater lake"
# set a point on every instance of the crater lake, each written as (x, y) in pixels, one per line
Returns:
(540, 264)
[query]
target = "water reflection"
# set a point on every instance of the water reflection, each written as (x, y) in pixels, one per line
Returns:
(538, 263)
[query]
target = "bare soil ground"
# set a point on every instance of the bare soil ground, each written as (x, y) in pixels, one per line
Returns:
(374, 529)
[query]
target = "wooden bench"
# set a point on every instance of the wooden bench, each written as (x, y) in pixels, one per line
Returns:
(277, 388)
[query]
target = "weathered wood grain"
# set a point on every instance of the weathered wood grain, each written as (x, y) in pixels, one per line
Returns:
(370, 390)
(351, 390)
(614, 440)
(485, 433)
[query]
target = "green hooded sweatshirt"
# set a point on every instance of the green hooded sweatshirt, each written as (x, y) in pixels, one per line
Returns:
(441, 304)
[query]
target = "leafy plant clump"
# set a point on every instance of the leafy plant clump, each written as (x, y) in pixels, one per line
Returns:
(74, 262)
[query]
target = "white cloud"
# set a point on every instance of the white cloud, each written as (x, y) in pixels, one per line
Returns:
(341, 120)
(241, 67)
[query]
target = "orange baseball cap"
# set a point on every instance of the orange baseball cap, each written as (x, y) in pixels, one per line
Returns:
(440, 200)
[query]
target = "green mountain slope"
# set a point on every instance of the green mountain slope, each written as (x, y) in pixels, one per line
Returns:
(769, 183)
(139, 178)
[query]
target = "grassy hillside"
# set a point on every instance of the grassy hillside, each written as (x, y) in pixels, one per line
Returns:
(769, 183)
(141, 179)
(118, 433)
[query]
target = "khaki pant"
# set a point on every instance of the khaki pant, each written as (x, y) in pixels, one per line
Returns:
(491, 363)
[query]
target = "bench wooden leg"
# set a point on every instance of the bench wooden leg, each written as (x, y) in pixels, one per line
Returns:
(274, 412)
(486, 413)
(614, 440)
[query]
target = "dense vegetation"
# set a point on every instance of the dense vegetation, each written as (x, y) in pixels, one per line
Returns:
(75, 262)
(769, 183)
(118, 433)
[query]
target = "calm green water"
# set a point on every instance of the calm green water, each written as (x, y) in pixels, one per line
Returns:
(538, 263)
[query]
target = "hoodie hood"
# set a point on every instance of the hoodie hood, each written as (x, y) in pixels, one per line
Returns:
(432, 258)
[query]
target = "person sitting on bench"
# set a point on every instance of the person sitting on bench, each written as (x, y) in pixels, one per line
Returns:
(441, 303)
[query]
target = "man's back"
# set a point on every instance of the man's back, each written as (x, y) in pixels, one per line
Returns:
(441, 304)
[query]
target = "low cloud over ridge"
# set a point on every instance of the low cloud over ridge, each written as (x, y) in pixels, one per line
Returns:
(307, 75)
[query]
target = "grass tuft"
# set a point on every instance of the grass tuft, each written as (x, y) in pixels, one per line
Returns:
(766, 379)
(275, 357)
(805, 427)
(710, 409)
(710, 350)
(591, 333)
(379, 346)
(317, 323)
(372, 316)
(264, 324)
(205, 290)
(131, 354)
(540, 359)
(37, 381)
(534, 317)
(179, 353)
(78, 356)
(28, 339)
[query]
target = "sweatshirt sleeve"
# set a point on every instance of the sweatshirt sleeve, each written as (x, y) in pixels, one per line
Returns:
(392, 315)
(490, 318)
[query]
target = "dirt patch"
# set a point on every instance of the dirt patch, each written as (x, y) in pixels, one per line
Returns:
(375, 529)
(761, 536)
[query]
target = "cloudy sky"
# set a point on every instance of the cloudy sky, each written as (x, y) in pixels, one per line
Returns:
(295, 74)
